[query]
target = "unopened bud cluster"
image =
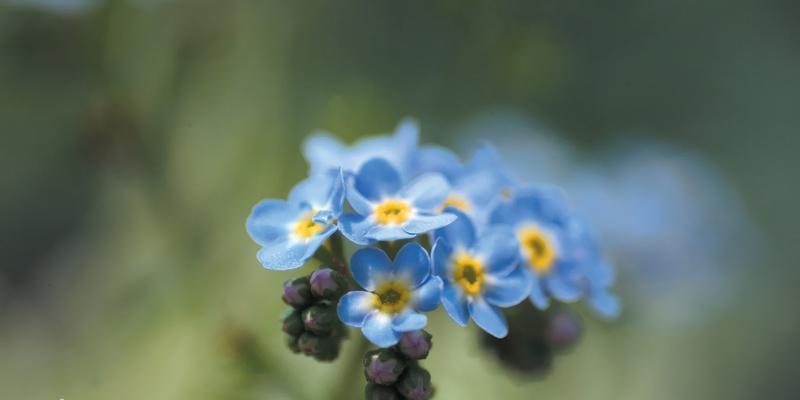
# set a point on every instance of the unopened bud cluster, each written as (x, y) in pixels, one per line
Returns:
(536, 337)
(394, 373)
(313, 327)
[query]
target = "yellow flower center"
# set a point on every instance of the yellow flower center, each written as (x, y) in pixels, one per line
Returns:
(392, 212)
(391, 297)
(306, 227)
(468, 273)
(458, 202)
(539, 248)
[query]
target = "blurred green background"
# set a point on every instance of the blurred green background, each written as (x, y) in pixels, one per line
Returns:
(136, 135)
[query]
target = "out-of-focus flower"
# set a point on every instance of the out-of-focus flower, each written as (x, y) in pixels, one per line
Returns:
(397, 293)
(326, 153)
(480, 273)
(290, 232)
(386, 209)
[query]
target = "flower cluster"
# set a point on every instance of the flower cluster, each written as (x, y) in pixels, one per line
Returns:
(431, 230)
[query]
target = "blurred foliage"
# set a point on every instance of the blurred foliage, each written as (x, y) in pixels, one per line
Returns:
(136, 135)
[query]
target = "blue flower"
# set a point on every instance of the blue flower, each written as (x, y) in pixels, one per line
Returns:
(326, 153)
(480, 273)
(290, 232)
(539, 219)
(397, 293)
(388, 210)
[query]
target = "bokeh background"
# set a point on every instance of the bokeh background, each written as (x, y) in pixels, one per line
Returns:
(136, 135)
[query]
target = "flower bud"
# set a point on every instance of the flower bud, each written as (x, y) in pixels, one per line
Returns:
(378, 392)
(563, 329)
(415, 345)
(328, 284)
(320, 319)
(321, 348)
(297, 292)
(415, 384)
(293, 343)
(292, 323)
(383, 366)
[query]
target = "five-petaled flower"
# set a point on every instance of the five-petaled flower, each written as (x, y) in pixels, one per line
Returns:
(397, 293)
(480, 273)
(290, 232)
(386, 209)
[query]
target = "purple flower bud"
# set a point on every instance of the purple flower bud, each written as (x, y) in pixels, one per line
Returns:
(297, 292)
(383, 366)
(379, 392)
(415, 345)
(292, 323)
(415, 384)
(563, 330)
(328, 284)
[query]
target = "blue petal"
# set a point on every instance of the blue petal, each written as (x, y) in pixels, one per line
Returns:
(323, 152)
(509, 290)
(335, 201)
(426, 297)
(424, 223)
(387, 232)
(437, 159)
(426, 192)
(538, 296)
(409, 321)
(562, 289)
(504, 214)
(455, 304)
(358, 202)
(500, 249)
(440, 255)
(354, 306)
(605, 304)
(369, 267)
(377, 179)
(460, 233)
(541, 203)
(283, 255)
(412, 264)
(488, 317)
(378, 329)
(355, 228)
(269, 221)
(314, 192)
(317, 240)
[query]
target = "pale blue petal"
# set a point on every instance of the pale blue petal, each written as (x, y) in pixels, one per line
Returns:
(283, 255)
(355, 227)
(323, 152)
(538, 296)
(561, 289)
(378, 329)
(313, 192)
(335, 201)
(440, 255)
(455, 304)
(409, 321)
(358, 202)
(377, 179)
(499, 247)
(605, 304)
(460, 233)
(413, 264)
(509, 290)
(488, 317)
(270, 220)
(504, 214)
(369, 267)
(425, 223)
(387, 232)
(354, 306)
(426, 192)
(437, 159)
(317, 240)
(426, 297)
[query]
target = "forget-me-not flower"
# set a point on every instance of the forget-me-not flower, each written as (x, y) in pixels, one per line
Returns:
(397, 293)
(480, 273)
(386, 209)
(290, 232)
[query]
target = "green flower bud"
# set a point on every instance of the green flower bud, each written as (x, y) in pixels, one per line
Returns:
(292, 323)
(383, 366)
(321, 348)
(378, 392)
(320, 319)
(415, 345)
(415, 384)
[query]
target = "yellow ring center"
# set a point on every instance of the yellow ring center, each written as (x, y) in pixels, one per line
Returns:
(391, 297)
(539, 248)
(392, 212)
(306, 227)
(468, 273)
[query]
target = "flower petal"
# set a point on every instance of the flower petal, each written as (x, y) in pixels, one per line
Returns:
(424, 223)
(437, 159)
(282, 255)
(538, 296)
(357, 201)
(269, 221)
(488, 317)
(314, 243)
(377, 179)
(387, 232)
(426, 297)
(315, 191)
(508, 290)
(413, 264)
(500, 248)
(605, 304)
(427, 191)
(355, 228)
(354, 306)
(323, 152)
(562, 289)
(378, 329)
(409, 321)
(370, 266)
(455, 304)
(440, 255)
(460, 233)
